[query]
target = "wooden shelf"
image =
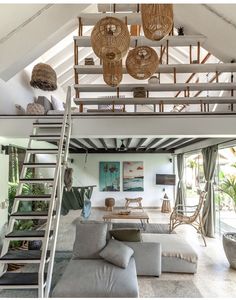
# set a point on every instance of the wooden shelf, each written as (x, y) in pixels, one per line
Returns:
(155, 100)
(180, 68)
(163, 87)
(174, 41)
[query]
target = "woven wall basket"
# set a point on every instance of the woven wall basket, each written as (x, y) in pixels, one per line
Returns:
(112, 72)
(142, 62)
(110, 39)
(44, 77)
(157, 20)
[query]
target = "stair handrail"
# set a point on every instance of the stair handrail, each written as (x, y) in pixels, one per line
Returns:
(57, 190)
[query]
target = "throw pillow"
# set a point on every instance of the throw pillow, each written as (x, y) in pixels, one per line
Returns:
(45, 103)
(19, 109)
(126, 234)
(117, 253)
(57, 104)
(35, 109)
(90, 239)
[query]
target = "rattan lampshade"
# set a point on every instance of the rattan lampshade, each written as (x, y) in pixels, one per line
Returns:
(112, 72)
(142, 62)
(110, 39)
(157, 20)
(44, 77)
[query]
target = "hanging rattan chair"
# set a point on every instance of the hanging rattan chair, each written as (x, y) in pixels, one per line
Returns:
(142, 62)
(110, 39)
(157, 20)
(44, 77)
(112, 72)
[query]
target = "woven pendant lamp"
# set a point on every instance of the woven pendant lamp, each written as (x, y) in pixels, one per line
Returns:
(110, 39)
(112, 72)
(142, 62)
(44, 77)
(157, 20)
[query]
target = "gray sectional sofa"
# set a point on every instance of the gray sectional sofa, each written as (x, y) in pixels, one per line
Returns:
(89, 275)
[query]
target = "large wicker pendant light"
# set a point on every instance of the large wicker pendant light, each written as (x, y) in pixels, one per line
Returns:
(110, 39)
(44, 77)
(112, 72)
(157, 20)
(142, 62)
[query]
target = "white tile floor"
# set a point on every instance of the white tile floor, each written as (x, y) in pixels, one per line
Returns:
(214, 278)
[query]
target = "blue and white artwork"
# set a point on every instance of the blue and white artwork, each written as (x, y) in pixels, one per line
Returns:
(109, 176)
(133, 176)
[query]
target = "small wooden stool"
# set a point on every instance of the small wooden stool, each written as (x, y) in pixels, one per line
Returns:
(109, 203)
(165, 208)
(137, 201)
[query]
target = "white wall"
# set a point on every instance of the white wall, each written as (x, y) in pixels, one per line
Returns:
(88, 174)
(18, 91)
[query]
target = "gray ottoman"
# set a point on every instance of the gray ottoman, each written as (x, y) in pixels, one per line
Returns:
(96, 278)
(177, 255)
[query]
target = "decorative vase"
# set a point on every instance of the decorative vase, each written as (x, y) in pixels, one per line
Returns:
(229, 244)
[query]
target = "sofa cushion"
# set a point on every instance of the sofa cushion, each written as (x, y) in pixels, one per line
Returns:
(177, 253)
(57, 104)
(117, 253)
(126, 234)
(90, 239)
(90, 278)
(44, 102)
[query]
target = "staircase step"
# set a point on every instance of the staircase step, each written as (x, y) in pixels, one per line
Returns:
(40, 165)
(49, 125)
(33, 197)
(36, 180)
(23, 256)
(31, 215)
(27, 235)
(42, 151)
(11, 280)
(46, 137)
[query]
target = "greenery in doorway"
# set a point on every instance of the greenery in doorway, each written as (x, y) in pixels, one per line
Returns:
(228, 186)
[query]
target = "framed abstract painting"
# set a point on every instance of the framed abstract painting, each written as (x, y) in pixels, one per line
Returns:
(133, 176)
(109, 176)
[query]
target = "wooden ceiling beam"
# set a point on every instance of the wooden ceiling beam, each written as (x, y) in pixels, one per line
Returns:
(81, 145)
(128, 143)
(88, 141)
(165, 143)
(152, 143)
(178, 143)
(141, 141)
(102, 141)
(194, 141)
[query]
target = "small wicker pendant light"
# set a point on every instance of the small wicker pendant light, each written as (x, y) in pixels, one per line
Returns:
(110, 39)
(44, 77)
(112, 72)
(142, 62)
(157, 20)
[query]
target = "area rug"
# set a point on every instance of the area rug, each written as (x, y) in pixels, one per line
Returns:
(148, 228)
(175, 289)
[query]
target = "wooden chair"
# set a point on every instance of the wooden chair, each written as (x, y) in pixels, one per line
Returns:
(190, 215)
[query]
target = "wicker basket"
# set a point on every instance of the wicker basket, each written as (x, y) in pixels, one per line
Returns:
(157, 20)
(112, 72)
(142, 62)
(44, 77)
(110, 39)
(139, 92)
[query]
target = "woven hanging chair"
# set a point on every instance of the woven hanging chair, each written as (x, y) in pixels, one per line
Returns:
(110, 39)
(142, 62)
(44, 77)
(157, 20)
(112, 72)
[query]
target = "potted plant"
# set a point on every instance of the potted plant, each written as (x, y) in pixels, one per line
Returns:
(228, 187)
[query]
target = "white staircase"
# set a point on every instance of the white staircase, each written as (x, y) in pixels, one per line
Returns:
(40, 280)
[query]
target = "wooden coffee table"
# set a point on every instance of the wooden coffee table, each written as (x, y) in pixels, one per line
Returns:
(142, 216)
